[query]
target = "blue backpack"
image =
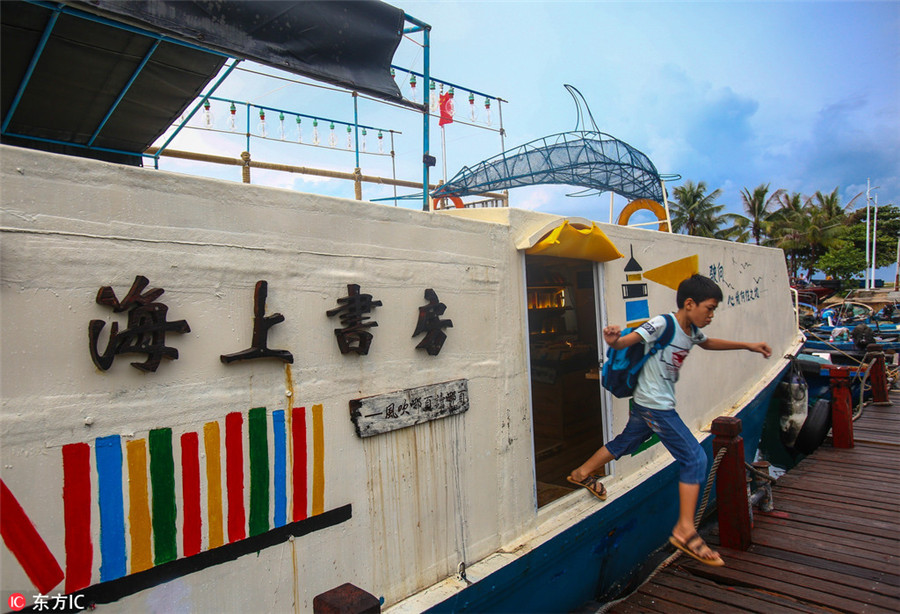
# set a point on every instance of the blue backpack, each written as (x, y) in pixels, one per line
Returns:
(622, 367)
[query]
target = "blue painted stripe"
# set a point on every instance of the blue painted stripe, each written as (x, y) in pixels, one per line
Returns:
(280, 467)
(112, 508)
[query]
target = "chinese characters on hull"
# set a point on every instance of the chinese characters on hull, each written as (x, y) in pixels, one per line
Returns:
(430, 323)
(259, 347)
(354, 337)
(148, 326)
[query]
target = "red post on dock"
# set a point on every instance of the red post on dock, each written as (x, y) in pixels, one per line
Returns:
(841, 408)
(731, 484)
(878, 375)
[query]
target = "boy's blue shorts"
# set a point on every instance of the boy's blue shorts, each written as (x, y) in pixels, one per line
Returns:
(674, 434)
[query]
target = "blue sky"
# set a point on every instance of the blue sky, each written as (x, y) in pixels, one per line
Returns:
(803, 96)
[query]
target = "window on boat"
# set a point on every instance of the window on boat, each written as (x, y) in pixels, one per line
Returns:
(565, 387)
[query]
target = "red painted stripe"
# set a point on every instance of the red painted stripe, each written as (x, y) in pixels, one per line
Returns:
(77, 515)
(190, 490)
(234, 479)
(298, 436)
(26, 544)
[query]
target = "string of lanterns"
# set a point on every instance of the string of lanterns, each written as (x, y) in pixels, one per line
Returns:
(284, 130)
(476, 115)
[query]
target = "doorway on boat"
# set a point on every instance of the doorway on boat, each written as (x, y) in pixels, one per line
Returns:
(565, 386)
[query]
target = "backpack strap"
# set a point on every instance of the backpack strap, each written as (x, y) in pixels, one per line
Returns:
(668, 334)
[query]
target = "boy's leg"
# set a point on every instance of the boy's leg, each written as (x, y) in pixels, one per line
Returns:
(593, 464)
(632, 436)
(684, 530)
(682, 444)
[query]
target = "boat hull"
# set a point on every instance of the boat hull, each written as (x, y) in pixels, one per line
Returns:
(599, 556)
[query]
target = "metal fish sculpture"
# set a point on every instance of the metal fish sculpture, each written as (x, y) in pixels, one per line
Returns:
(586, 158)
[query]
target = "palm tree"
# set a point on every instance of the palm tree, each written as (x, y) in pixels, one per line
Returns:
(757, 207)
(738, 229)
(783, 228)
(695, 212)
(830, 205)
(808, 231)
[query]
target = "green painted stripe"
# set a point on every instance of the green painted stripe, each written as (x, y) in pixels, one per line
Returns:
(259, 471)
(162, 482)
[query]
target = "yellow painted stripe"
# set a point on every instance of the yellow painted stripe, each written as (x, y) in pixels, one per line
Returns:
(139, 506)
(633, 277)
(212, 443)
(318, 481)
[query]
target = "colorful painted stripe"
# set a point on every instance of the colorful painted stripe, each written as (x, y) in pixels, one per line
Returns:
(234, 476)
(318, 493)
(259, 470)
(26, 544)
(212, 445)
(76, 458)
(139, 506)
(279, 468)
(108, 451)
(190, 494)
(162, 480)
(298, 439)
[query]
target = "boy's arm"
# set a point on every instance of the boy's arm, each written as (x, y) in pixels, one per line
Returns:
(613, 338)
(723, 344)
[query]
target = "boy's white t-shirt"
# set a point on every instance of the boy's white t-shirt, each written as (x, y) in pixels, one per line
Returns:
(656, 383)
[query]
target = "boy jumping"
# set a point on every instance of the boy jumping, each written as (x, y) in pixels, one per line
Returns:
(653, 408)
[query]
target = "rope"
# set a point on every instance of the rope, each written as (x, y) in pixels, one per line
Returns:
(709, 482)
(836, 349)
(759, 473)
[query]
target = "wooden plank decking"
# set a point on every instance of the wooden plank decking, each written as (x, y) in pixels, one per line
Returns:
(831, 544)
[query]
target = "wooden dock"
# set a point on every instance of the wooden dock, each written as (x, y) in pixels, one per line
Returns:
(832, 544)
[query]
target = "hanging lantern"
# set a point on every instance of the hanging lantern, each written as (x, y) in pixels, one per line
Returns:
(281, 123)
(349, 138)
(451, 92)
(434, 99)
(393, 73)
(232, 120)
(363, 139)
(487, 109)
(332, 139)
(380, 142)
(412, 86)
(472, 105)
(315, 131)
(208, 119)
(261, 127)
(299, 130)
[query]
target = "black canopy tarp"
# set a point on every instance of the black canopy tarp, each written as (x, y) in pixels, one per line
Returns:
(104, 91)
(349, 43)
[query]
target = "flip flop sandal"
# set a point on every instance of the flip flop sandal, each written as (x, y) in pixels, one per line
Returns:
(694, 552)
(593, 484)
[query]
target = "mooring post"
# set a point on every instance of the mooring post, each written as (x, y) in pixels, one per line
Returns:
(878, 375)
(841, 408)
(346, 599)
(731, 484)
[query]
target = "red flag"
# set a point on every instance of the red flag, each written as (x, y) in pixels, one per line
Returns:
(447, 109)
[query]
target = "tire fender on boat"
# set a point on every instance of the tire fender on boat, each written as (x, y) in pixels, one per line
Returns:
(815, 428)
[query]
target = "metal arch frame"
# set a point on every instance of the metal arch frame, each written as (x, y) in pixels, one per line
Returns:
(592, 159)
